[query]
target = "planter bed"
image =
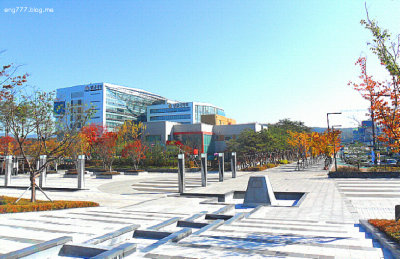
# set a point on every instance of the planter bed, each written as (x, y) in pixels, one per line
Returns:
(389, 241)
(75, 175)
(70, 176)
(24, 205)
(107, 175)
(135, 172)
(364, 174)
(168, 170)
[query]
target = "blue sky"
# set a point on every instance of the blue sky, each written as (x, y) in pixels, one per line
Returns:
(259, 60)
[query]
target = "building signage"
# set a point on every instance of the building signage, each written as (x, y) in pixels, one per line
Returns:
(177, 105)
(59, 108)
(93, 88)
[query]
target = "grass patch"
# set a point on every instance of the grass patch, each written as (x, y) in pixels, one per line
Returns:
(25, 205)
(390, 227)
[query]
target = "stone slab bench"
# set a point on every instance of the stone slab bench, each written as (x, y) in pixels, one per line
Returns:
(164, 223)
(120, 251)
(190, 224)
(151, 234)
(39, 248)
(113, 235)
(174, 237)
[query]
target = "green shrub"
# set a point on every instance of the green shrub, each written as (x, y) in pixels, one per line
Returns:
(283, 162)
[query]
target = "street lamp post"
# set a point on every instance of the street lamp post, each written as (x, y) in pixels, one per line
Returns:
(334, 144)
(327, 117)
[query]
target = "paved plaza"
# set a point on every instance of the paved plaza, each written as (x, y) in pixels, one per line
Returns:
(196, 225)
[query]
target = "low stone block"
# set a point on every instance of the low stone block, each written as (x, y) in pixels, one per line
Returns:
(107, 176)
(135, 173)
(259, 192)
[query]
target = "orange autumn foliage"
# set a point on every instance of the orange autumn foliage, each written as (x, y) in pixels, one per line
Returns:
(314, 144)
(385, 101)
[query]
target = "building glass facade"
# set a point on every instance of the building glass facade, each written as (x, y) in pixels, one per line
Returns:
(202, 141)
(113, 104)
(122, 106)
(185, 113)
(205, 110)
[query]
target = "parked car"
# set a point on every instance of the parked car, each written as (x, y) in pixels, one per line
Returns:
(391, 162)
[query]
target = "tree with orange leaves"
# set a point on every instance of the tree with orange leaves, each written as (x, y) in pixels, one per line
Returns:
(384, 96)
(314, 144)
(385, 102)
(105, 148)
(96, 141)
(130, 142)
(7, 146)
(27, 116)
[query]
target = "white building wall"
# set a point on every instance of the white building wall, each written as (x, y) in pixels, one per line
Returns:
(92, 95)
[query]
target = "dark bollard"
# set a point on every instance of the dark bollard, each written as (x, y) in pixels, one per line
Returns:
(233, 164)
(221, 166)
(42, 178)
(81, 171)
(7, 176)
(203, 169)
(181, 173)
(15, 166)
(397, 212)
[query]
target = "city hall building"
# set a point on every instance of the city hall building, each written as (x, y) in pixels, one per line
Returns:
(112, 104)
(201, 126)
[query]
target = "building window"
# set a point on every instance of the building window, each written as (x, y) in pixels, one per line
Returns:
(76, 94)
(170, 117)
(168, 110)
(153, 138)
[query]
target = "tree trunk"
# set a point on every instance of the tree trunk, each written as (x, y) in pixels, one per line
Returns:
(33, 187)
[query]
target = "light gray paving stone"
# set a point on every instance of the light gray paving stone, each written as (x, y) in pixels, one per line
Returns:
(324, 221)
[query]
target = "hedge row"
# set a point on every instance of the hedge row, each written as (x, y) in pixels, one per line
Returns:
(389, 227)
(24, 205)
(260, 167)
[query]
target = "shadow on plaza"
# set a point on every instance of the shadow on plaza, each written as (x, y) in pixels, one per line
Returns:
(259, 244)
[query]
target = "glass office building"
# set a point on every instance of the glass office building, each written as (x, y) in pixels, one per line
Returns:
(112, 104)
(182, 112)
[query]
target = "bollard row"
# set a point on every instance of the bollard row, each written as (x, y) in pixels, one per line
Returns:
(203, 162)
